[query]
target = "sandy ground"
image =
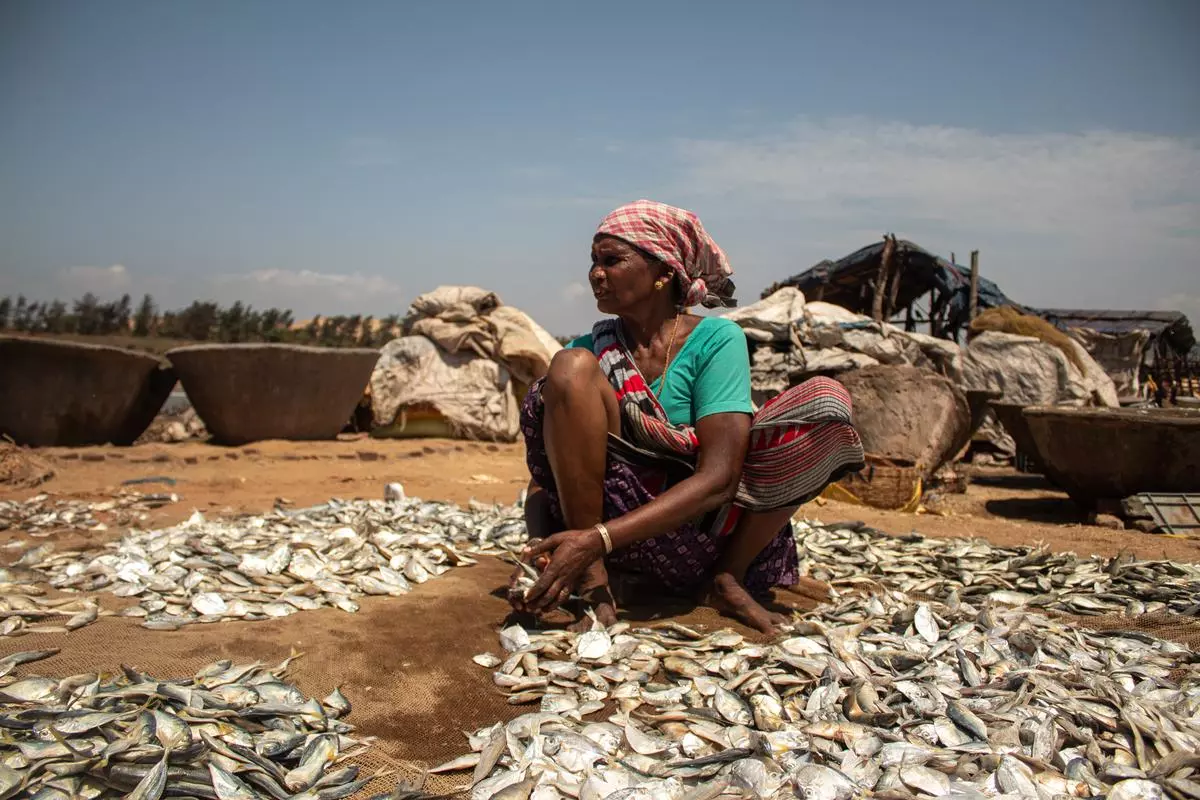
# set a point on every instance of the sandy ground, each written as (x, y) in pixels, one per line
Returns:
(404, 662)
(1014, 509)
(1002, 506)
(223, 481)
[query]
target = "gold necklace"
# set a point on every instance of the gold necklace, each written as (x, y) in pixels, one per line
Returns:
(662, 381)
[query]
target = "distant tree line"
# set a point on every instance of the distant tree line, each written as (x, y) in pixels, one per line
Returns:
(200, 322)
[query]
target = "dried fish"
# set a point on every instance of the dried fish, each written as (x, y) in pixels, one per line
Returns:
(263, 567)
(43, 515)
(216, 735)
(831, 710)
(971, 691)
(974, 570)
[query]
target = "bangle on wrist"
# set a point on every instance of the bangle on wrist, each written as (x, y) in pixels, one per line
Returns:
(604, 537)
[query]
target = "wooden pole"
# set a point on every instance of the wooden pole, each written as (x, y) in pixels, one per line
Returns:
(885, 264)
(951, 256)
(894, 288)
(974, 286)
(937, 314)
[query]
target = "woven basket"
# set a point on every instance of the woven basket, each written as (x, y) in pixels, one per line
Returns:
(884, 483)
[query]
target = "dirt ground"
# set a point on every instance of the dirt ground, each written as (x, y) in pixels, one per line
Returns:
(251, 478)
(1012, 509)
(1002, 506)
(404, 662)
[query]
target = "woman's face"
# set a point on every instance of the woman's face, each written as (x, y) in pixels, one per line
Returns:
(622, 277)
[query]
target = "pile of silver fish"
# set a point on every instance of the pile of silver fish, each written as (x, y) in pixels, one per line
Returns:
(874, 696)
(262, 567)
(233, 731)
(42, 515)
(26, 612)
(855, 556)
(25, 608)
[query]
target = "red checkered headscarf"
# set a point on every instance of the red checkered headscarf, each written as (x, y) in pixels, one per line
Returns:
(676, 238)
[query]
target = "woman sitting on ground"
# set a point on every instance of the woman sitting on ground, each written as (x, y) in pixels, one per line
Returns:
(643, 444)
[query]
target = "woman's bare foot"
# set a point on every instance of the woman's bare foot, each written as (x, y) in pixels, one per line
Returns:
(605, 611)
(595, 593)
(727, 595)
(600, 600)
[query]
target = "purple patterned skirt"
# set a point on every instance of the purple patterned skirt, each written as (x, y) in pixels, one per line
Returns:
(682, 559)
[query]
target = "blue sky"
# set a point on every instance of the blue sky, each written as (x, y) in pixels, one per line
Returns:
(345, 157)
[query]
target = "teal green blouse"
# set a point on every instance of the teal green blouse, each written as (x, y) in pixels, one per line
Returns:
(709, 375)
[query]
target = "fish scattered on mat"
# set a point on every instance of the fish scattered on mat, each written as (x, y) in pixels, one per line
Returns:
(42, 515)
(873, 695)
(230, 731)
(974, 692)
(857, 556)
(263, 567)
(24, 609)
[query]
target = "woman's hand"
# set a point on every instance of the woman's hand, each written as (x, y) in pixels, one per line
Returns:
(521, 580)
(570, 553)
(516, 595)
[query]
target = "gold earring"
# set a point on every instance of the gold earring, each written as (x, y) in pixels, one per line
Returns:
(659, 284)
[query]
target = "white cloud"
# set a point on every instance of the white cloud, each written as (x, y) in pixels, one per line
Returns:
(573, 292)
(1039, 182)
(1070, 218)
(325, 292)
(355, 282)
(1189, 304)
(102, 281)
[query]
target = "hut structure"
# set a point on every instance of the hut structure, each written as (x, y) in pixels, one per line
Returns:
(1147, 353)
(900, 281)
